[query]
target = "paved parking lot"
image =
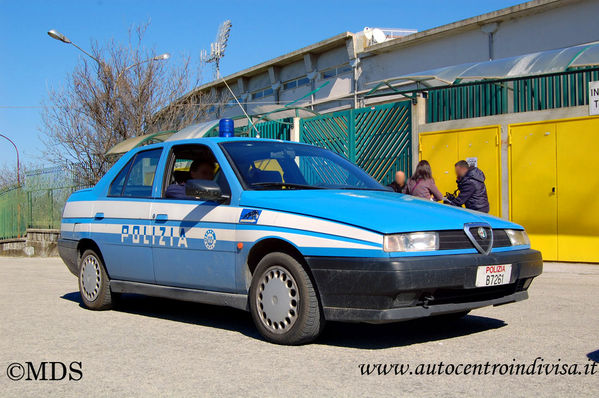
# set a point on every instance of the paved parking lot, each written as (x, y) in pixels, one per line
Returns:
(169, 348)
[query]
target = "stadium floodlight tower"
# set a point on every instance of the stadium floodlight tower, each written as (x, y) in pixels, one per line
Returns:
(217, 49)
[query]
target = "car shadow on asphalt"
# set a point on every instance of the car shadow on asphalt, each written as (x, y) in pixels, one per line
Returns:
(352, 335)
(182, 311)
(399, 334)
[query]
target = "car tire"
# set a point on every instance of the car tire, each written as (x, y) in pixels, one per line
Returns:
(283, 301)
(94, 285)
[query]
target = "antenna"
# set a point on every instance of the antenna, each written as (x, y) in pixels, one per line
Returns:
(243, 110)
(217, 48)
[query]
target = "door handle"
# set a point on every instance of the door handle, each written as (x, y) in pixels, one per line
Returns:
(160, 217)
(99, 216)
(553, 190)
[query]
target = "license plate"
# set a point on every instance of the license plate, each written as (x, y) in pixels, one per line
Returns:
(493, 275)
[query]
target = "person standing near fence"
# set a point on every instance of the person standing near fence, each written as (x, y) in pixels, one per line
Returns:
(399, 184)
(422, 184)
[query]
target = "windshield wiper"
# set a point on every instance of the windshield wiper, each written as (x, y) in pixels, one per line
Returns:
(283, 184)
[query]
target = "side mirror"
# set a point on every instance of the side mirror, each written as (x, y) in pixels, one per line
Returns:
(207, 190)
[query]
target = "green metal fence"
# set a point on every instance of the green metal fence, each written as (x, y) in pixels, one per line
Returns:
(377, 138)
(21, 208)
(553, 91)
(334, 131)
(13, 213)
(493, 98)
(38, 203)
(276, 129)
(466, 101)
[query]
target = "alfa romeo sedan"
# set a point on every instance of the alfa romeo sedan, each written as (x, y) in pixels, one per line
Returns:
(293, 233)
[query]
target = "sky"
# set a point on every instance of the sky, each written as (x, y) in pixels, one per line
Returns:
(32, 62)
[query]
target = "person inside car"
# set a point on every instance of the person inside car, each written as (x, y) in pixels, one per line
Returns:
(199, 170)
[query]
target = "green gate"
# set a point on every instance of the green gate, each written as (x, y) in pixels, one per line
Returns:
(377, 138)
(274, 129)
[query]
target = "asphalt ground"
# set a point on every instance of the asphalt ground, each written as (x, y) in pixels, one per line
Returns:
(150, 346)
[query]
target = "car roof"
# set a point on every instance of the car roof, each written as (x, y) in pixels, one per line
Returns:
(218, 140)
(211, 140)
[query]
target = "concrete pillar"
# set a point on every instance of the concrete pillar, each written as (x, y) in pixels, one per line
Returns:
(294, 134)
(418, 119)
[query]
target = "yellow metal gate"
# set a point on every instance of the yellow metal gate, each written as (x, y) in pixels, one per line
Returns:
(554, 182)
(444, 148)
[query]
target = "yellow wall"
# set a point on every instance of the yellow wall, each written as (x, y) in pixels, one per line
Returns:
(444, 148)
(563, 154)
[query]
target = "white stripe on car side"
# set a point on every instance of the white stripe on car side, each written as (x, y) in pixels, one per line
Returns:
(223, 234)
(217, 214)
(295, 221)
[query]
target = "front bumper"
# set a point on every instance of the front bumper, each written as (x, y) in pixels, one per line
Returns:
(381, 290)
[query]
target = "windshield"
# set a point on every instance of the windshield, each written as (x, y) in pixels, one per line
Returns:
(272, 165)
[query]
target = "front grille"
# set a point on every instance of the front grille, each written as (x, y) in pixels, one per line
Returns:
(500, 238)
(457, 239)
(486, 240)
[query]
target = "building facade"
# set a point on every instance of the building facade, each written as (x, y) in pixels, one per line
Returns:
(462, 93)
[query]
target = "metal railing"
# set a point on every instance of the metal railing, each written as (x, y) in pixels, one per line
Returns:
(38, 203)
(40, 208)
(524, 94)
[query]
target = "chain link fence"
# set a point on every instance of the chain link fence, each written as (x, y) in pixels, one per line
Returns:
(38, 203)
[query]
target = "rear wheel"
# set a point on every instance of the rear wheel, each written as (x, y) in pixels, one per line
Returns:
(94, 284)
(283, 301)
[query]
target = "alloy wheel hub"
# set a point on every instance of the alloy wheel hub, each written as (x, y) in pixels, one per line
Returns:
(277, 299)
(90, 278)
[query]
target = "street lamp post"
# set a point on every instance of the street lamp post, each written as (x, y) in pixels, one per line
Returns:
(60, 37)
(160, 57)
(18, 162)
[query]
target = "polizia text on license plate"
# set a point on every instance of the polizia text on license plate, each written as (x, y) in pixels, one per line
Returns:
(493, 275)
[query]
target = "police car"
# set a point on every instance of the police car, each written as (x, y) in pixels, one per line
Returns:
(293, 233)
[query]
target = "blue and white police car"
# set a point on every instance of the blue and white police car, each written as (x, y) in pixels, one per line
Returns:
(293, 233)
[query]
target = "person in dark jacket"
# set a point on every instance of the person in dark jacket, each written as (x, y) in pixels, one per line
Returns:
(399, 185)
(471, 183)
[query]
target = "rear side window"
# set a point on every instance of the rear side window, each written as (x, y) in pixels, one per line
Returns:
(137, 178)
(116, 188)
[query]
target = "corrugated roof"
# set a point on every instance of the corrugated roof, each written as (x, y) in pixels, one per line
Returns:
(539, 63)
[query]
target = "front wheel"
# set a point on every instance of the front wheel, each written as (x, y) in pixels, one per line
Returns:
(94, 284)
(283, 301)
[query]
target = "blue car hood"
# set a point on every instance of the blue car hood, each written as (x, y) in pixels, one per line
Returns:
(380, 211)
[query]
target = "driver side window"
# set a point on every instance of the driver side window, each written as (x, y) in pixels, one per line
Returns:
(191, 162)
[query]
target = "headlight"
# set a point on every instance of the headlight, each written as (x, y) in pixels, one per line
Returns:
(412, 242)
(517, 237)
